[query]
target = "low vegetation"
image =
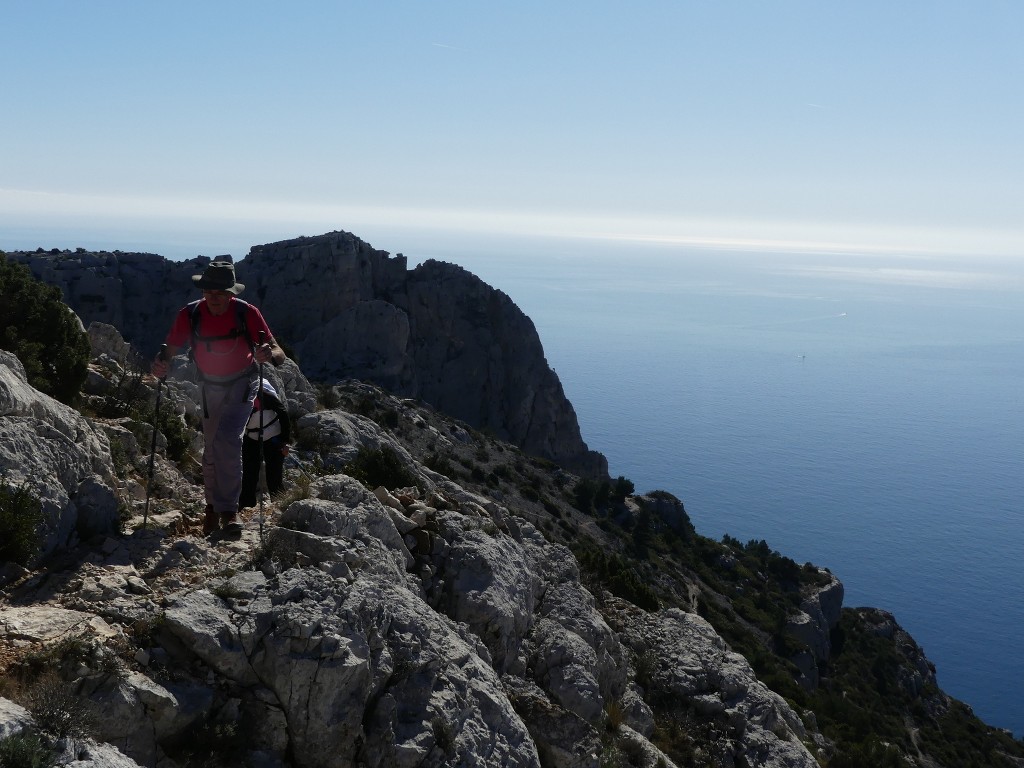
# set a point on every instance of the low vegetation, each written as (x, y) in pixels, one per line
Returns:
(374, 467)
(21, 519)
(43, 332)
(26, 750)
(130, 396)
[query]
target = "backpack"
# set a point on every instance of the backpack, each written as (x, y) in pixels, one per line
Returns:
(240, 329)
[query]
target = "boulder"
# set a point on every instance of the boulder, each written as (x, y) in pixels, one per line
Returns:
(59, 456)
(363, 672)
(14, 718)
(68, 753)
(812, 625)
(686, 659)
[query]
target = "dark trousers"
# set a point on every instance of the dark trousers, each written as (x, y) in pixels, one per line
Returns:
(251, 468)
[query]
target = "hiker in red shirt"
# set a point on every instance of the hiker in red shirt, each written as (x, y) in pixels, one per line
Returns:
(229, 338)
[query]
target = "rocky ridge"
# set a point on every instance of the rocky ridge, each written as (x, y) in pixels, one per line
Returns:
(425, 625)
(346, 310)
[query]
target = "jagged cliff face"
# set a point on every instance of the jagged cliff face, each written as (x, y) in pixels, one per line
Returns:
(436, 332)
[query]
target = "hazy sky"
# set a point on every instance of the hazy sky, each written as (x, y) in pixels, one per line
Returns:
(874, 124)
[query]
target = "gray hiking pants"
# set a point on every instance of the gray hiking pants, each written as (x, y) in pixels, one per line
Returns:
(226, 409)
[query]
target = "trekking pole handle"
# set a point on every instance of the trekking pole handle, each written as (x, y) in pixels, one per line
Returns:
(261, 338)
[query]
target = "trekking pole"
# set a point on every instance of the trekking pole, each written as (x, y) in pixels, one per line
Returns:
(299, 465)
(161, 355)
(261, 477)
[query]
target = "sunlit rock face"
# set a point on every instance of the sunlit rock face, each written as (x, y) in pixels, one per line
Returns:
(53, 451)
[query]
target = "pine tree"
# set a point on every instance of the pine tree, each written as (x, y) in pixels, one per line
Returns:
(37, 326)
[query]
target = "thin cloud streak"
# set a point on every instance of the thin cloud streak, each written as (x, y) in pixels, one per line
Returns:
(20, 206)
(925, 278)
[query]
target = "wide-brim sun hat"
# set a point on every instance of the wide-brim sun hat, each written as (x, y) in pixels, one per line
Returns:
(218, 276)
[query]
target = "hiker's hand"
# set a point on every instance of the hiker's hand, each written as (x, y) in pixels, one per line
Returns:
(264, 353)
(160, 368)
(284, 450)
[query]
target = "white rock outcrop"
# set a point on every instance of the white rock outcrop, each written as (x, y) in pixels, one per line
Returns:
(68, 753)
(684, 658)
(59, 456)
(812, 625)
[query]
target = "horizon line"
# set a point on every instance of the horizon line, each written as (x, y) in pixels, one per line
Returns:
(61, 210)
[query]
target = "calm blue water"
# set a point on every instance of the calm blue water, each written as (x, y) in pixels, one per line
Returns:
(871, 422)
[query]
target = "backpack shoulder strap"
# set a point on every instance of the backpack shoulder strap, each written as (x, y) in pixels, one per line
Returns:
(241, 313)
(193, 320)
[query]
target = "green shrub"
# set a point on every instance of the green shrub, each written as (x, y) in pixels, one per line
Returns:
(619, 576)
(25, 750)
(327, 397)
(381, 466)
(870, 752)
(528, 493)
(171, 426)
(584, 495)
(441, 465)
(21, 515)
(589, 496)
(623, 487)
(58, 710)
(43, 332)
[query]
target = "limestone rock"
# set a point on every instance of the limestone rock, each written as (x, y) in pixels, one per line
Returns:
(920, 672)
(14, 718)
(564, 740)
(687, 659)
(812, 625)
(46, 623)
(76, 753)
(362, 672)
(139, 713)
(340, 435)
(106, 342)
(63, 460)
(73, 753)
(475, 355)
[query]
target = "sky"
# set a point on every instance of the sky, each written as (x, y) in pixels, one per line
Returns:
(193, 127)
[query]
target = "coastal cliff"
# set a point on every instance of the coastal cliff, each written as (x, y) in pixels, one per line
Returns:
(424, 594)
(347, 310)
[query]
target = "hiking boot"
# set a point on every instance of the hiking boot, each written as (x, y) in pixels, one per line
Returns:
(231, 524)
(211, 522)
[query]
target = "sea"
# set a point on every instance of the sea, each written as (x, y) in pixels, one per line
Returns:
(863, 411)
(860, 411)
